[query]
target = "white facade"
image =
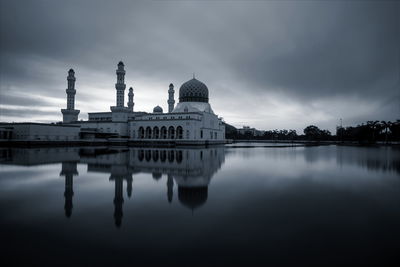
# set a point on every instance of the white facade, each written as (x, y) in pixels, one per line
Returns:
(195, 126)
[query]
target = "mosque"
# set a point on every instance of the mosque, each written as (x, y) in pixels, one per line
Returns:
(190, 121)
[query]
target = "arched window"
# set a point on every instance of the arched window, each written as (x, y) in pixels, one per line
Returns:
(141, 133)
(156, 133)
(148, 133)
(163, 132)
(179, 132)
(171, 132)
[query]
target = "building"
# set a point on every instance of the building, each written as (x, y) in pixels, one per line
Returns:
(191, 121)
(30, 131)
(246, 130)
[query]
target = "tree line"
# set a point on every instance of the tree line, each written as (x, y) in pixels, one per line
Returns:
(368, 133)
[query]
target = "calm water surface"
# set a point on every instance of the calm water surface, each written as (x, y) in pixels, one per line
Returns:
(205, 206)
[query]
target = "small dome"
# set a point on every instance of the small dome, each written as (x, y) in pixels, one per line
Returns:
(121, 63)
(71, 71)
(157, 109)
(193, 91)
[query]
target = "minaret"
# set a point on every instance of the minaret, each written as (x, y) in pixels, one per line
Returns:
(130, 100)
(171, 100)
(70, 114)
(120, 85)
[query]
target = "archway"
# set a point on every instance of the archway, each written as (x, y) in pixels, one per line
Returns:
(163, 132)
(156, 133)
(171, 132)
(148, 133)
(141, 133)
(179, 132)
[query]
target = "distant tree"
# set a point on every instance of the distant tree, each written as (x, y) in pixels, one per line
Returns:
(394, 128)
(312, 132)
(292, 135)
(385, 128)
(374, 129)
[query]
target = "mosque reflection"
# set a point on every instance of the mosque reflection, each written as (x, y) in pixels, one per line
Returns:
(191, 169)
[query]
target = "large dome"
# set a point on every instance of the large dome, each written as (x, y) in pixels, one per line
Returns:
(193, 91)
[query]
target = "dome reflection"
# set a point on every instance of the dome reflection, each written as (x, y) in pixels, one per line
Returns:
(189, 168)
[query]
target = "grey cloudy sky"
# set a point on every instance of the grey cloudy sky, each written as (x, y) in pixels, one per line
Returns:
(267, 64)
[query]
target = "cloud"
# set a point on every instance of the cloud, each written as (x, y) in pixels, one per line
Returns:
(24, 113)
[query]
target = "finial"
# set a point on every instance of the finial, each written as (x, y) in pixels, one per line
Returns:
(193, 76)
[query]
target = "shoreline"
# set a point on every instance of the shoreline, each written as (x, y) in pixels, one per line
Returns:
(183, 143)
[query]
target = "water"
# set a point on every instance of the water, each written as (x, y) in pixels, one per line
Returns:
(204, 206)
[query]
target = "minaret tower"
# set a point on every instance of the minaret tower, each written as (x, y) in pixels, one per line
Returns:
(70, 114)
(120, 85)
(120, 112)
(171, 100)
(130, 100)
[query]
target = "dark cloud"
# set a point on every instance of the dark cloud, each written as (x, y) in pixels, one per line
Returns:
(306, 52)
(7, 99)
(334, 48)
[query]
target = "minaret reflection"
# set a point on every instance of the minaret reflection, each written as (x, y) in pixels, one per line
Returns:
(118, 175)
(129, 181)
(170, 187)
(68, 169)
(118, 199)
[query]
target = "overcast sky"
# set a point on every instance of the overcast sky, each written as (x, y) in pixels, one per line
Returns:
(267, 64)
